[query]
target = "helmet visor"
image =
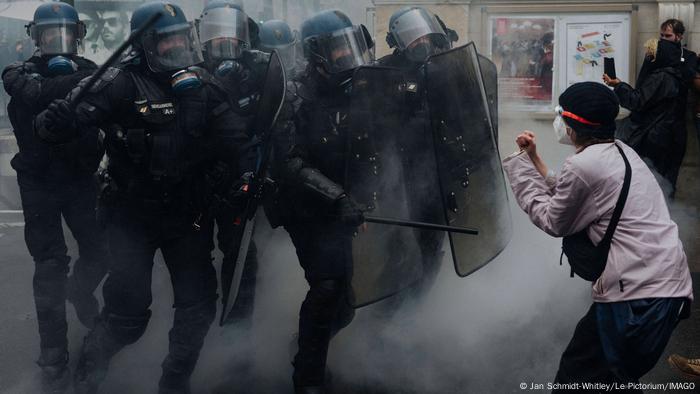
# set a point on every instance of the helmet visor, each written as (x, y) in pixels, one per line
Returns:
(415, 24)
(224, 48)
(172, 50)
(287, 52)
(341, 50)
(225, 23)
(59, 38)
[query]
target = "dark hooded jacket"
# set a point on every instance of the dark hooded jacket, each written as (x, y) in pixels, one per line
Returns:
(654, 104)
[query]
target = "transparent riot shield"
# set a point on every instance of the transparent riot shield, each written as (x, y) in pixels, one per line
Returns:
(471, 178)
(489, 72)
(386, 258)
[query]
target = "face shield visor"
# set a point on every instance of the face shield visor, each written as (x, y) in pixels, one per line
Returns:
(341, 50)
(174, 48)
(415, 24)
(287, 52)
(224, 32)
(58, 37)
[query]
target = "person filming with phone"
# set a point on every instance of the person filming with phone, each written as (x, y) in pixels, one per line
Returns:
(654, 104)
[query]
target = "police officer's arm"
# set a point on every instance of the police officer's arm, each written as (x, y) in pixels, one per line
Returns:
(22, 82)
(290, 148)
(106, 100)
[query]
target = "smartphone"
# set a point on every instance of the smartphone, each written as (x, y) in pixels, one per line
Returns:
(609, 67)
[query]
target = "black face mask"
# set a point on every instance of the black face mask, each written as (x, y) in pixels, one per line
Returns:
(173, 54)
(344, 62)
(421, 52)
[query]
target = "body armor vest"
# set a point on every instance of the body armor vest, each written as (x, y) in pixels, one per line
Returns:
(157, 143)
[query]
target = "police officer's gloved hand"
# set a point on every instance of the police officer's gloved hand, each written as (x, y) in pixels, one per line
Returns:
(56, 123)
(240, 191)
(59, 115)
(349, 211)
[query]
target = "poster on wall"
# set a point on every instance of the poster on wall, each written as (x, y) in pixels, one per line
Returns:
(107, 25)
(590, 40)
(538, 56)
(523, 50)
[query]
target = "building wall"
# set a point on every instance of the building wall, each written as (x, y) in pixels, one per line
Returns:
(466, 17)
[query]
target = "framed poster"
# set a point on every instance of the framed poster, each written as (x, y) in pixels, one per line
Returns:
(589, 39)
(107, 24)
(522, 47)
(539, 55)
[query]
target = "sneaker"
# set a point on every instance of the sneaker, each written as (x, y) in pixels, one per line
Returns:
(689, 367)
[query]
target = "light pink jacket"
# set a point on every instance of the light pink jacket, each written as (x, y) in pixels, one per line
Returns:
(646, 257)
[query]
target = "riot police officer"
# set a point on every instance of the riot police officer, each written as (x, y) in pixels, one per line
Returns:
(165, 126)
(276, 35)
(56, 182)
(227, 34)
(415, 34)
(320, 217)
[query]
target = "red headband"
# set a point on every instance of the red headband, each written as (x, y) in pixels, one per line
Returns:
(573, 116)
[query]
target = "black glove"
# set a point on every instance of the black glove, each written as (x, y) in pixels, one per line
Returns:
(241, 189)
(55, 124)
(59, 115)
(349, 211)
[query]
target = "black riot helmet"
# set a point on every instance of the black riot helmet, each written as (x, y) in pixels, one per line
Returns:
(56, 29)
(276, 35)
(418, 33)
(171, 43)
(331, 41)
(225, 30)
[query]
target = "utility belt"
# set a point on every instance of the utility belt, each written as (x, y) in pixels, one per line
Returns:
(153, 152)
(142, 195)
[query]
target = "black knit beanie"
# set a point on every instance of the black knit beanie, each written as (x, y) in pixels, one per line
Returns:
(594, 103)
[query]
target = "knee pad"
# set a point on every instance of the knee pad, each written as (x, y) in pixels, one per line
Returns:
(50, 284)
(126, 329)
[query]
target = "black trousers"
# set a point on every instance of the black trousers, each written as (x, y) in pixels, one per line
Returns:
(134, 236)
(325, 254)
(44, 204)
(617, 343)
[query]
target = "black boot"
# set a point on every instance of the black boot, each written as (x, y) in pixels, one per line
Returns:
(309, 390)
(110, 335)
(55, 375)
(84, 302)
(186, 339)
(320, 318)
(86, 276)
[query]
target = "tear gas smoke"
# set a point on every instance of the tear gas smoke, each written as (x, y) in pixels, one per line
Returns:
(507, 323)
